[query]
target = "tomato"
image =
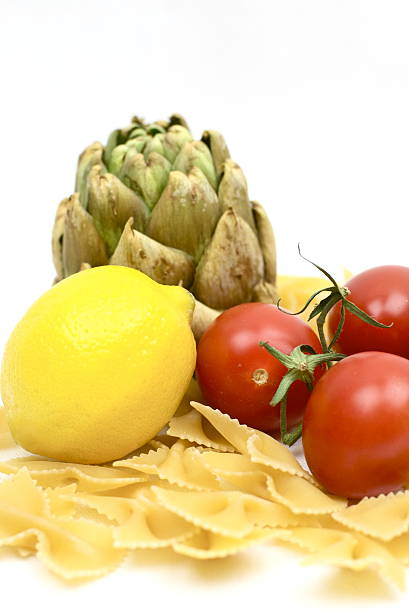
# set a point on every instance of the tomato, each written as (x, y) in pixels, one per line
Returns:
(383, 293)
(239, 377)
(356, 426)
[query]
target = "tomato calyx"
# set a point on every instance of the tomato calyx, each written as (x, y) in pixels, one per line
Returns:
(301, 364)
(337, 294)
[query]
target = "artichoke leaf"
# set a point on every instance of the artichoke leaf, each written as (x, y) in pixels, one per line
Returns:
(81, 241)
(90, 157)
(231, 266)
(147, 177)
(136, 145)
(203, 316)
(169, 144)
(57, 237)
(186, 214)
(120, 136)
(154, 145)
(267, 242)
(265, 292)
(164, 264)
(196, 154)
(218, 148)
(233, 192)
(111, 204)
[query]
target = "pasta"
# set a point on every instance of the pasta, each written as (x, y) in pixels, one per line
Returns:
(69, 547)
(294, 492)
(208, 545)
(58, 474)
(208, 488)
(384, 517)
(344, 549)
(195, 429)
(230, 513)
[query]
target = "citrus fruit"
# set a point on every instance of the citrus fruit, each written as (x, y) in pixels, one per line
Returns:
(98, 365)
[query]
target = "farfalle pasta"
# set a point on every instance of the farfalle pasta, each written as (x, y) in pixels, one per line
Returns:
(384, 517)
(208, 545)
(70, 547)
(208, 488)
(229, 513)
(178, 465)
(58, 474)
(196, 429)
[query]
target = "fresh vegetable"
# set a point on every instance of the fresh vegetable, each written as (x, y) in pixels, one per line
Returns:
(98, 365)
(239, 377)
(356, 426)
(383, 293)
(173, 207)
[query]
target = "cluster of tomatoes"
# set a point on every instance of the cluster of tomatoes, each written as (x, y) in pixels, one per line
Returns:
(355, 428)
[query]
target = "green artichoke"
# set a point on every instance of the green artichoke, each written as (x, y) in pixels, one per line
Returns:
(173, 207)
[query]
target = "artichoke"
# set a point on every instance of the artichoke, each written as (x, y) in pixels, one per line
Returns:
(173, 207)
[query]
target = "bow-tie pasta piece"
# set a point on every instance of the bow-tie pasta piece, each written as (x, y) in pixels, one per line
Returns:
(384, 517)
(197, 430)
(344, 549)
(229, 513)
(266, 451)
(178, 465)
(294, 492)
(231, 430)
(183, 468)
(58, 474)
(71, 548)
(301, 496)
(399, 547)
(261, 447)
(151, 526)
(60, 500)
(115, 509)
(146, 463)
(208, 545)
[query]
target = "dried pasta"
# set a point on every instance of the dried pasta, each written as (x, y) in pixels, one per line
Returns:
(208, 545)
(72, 548)
(294, 492)
(345, 549)
(260, 447)
(208, 488)
(230, 513)
(384, 517)
(58, 474)
(178, 465)
(197, 430)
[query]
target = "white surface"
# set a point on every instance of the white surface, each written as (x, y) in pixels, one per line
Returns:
(312, 97)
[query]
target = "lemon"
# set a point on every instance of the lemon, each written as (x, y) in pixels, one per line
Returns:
(98, 365)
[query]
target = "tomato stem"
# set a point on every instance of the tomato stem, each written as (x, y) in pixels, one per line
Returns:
(301, 364)
(325, 305)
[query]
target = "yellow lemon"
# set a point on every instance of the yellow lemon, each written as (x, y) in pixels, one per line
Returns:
(98, 365)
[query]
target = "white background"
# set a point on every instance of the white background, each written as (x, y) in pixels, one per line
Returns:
(313, 99)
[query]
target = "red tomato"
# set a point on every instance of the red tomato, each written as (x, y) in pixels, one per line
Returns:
(239, 377)
(356, 426)
(383, 293)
